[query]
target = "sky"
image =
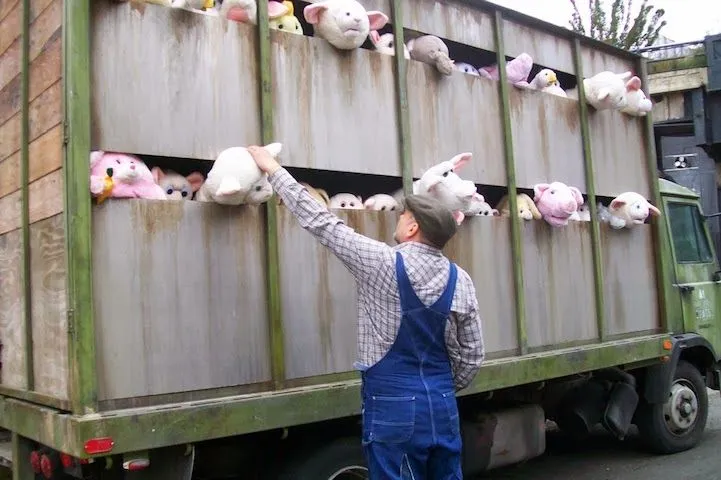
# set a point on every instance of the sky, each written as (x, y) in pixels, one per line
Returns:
(687, 20)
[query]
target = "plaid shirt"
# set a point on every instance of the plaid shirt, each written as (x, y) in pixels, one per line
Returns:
(372, 264)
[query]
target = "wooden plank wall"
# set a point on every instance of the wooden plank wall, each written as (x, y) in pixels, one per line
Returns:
(45, 192)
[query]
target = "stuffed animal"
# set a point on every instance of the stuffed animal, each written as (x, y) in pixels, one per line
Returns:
(346, 201)
(121, 176)
(606, 90)
(637, 104)
(466, 68)
(441, 182)
(345, 24)
(317, 193)
(629, 209)
(381, 202)
(194, 4)
(478, 207)
(547, 82)
(527, 210)
(433, 51)
(583, 214)
(284, 19)
(385, 44)
(604, 216)
(235, 178)
(245, 11)
(176, 186)
(517, 70)
(556, 202)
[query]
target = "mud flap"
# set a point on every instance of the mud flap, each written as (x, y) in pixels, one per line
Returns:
(170, 463)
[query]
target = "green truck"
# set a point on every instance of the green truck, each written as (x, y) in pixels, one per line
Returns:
(180, 339)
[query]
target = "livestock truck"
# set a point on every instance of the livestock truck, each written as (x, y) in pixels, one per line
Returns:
(175, 339)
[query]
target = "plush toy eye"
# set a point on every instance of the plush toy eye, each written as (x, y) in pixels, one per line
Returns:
(183, 194)
(342, 204)
(393, 209)
(352, 204)
(117, 161)
(445, 174)
(280, 27)
(109, 171)
(553, 192)
(347, 14)
(383, 207)
(390, 44)
(258, 188)
(169, 190)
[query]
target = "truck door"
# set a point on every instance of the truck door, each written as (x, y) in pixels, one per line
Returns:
(695, 265)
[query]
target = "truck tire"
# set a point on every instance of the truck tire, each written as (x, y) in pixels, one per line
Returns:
(342, 459)
(677, 424)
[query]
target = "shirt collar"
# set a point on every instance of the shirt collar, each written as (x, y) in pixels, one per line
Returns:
(420, 248)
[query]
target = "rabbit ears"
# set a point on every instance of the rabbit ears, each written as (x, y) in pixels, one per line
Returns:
(313, 12)
(461, 159)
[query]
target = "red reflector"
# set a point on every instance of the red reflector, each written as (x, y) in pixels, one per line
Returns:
(99, 445)
(66, 460)
(135, 465)
(35, 461)
(47, 467)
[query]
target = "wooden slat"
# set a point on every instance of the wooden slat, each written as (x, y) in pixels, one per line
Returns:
(6, 7)
(179, 297)
(46, 156)
(595, 61)
(558, 278)
(193, 94)
(452, 21)
(48, 293)
(482, 248)
(547, 139)
(319, 295)
(631, 299)
(452, 115)
(12, 327)
(330, 92)
(546, 49)
(46, 200)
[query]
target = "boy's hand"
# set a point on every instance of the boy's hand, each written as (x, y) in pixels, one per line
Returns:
(263, 159)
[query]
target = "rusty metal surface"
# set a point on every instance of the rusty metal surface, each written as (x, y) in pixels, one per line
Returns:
(179, 298)
(595, 61)
(450, 20)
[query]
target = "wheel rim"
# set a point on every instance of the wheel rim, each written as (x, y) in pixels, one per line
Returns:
(352, 472)
(681, 408)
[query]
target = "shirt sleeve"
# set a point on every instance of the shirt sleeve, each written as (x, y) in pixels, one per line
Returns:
(467, 361)
(360, 254)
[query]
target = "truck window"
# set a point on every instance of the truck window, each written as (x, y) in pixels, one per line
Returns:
(689, 236)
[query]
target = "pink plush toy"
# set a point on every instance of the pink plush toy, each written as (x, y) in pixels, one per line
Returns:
(517, 70)
(122, 176)
(557, 202)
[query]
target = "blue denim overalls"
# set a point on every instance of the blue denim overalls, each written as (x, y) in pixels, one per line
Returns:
(410, 415)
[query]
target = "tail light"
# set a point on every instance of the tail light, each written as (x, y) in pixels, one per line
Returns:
(35, 461)
(66, 460)
(49, 463)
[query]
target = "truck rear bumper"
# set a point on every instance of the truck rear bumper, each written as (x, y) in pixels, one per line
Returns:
(179, 423)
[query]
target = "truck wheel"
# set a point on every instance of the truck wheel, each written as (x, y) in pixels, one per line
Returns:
(341, 460)
(677, 424)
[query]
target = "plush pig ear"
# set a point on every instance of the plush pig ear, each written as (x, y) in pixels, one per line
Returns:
(616, 203)
(312, 12)
(654, 210)
(478, 197)
(374, 36)
(369, 203)
(277, 9)
(461, 159)
(633, 84)
(377, 19)
(495, 213)
(577, 195)
(95, 157)
(538, 190)
(625, 75)
(195, 180)
(157, 174)
(274, 148)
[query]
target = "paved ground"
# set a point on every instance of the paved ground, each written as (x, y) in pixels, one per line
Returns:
(604, 458)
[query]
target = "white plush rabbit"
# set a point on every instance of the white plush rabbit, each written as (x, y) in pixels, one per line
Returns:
(466, 68)
(381, 201)
(636, 102)
(385, 44)
(346, 201)
(345, 24)
(606, 90)
(441, 182)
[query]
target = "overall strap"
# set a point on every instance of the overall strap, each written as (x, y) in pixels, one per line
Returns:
(443, 304)
(409, 299)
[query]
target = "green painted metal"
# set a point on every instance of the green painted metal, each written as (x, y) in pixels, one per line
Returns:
(591, 193)
(76, 168)
(275, 315)
(190, 422)
(516, 249)
(682, 63)
(21, 449)
(670, 188)
(400, 77)
(659, 232)
(25, 196)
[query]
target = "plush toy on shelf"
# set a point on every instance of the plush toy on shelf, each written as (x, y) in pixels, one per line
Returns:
(235, 178)
(606, 90)
(583, 214)
(385, 44)
(194, 4)
(244, 11)
(517, 70)
(478, 207)
(345, 24)
(637, 104)
(527, 210)
(442, 183)
(466, 68)
(557, 202)
(628, 209)
(117, 175)
(431, 50)
(381, 202)
(346, 201)
(282, 17)
(547, 82)
(176, 186)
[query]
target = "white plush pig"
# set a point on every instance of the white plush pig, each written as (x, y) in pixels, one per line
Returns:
(345, 24)
(629, 209)
(236, 179)
(583, 214)
(466, 68)
(636, 102)
(385, 44)
(346, 201)
(381, 201)
(441, 182)
(606, 90)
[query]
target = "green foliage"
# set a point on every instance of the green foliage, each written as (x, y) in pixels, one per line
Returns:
(621, 31)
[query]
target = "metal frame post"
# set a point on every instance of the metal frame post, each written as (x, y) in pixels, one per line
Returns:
(516, 248)
(401, 83)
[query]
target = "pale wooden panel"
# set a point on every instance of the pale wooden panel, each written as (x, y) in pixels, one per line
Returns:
(12, 325)
(558, 279)
(454, 21)
(482, 247)
(332, 91)
(46, 156)
(46, 200)
(179, 291)
(319, 298)
(452, 115)
(546, 139)
(6, 7)
(48, 293)
(630, 297)
(172, 82)
(671, 107)
(545, 48)
(619, 153)
(595, 61)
